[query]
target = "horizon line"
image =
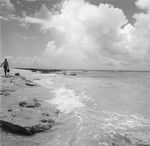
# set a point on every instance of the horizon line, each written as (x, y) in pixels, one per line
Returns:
(56, 69)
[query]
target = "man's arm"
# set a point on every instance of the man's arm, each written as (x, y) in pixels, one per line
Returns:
(2, 64)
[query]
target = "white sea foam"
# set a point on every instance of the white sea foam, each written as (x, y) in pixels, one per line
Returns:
(124, 121)
(45, 81)
(66, 100)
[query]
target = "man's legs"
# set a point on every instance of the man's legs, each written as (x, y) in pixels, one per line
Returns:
(5, 71)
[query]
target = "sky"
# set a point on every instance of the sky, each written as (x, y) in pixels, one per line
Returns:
(76, 34)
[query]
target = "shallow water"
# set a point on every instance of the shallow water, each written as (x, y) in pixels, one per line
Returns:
(97, 109)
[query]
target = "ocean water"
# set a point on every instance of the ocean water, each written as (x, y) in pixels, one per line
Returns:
(98, 108)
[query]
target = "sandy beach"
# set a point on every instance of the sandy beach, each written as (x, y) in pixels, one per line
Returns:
(22, 104)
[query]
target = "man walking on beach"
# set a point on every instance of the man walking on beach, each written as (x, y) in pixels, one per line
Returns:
(5, 66)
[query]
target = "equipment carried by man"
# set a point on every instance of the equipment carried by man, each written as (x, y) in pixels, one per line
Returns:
(8, 70)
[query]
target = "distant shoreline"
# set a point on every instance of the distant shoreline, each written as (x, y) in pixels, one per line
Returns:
(84, 70)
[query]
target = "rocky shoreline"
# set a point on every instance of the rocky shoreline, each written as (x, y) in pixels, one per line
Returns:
(24, 116)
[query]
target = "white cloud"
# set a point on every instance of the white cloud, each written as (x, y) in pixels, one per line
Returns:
(8, 3)
(7, 6)
(3, 18)
(139, 34)
(89, 36)
(143, 4)
(29, 19)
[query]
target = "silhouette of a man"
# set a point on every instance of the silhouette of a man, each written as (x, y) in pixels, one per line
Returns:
(5, 66)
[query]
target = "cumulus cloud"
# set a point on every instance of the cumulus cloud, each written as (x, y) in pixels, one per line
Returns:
(90, 36)
(84, 34)
(143, 4)
(139, 34)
